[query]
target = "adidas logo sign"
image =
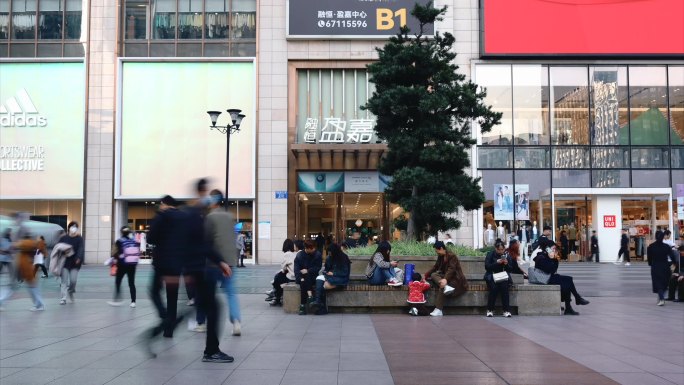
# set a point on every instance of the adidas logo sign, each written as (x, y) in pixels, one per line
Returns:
(19, 111)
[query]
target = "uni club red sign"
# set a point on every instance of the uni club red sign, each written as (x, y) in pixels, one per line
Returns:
(609, 221)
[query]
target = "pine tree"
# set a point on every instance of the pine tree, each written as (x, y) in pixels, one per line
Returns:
(424, 110)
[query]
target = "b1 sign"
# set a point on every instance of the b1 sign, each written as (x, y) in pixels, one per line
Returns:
(609, 221)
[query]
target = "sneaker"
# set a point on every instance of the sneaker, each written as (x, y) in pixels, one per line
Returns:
(236, 328)
(302, 310)
(71, 297)
(276, 302)
(490, 313)
(394, 282)
(448, 290)
(43, 276)
(570, 311)
(217, 357)
(201, 328)
(413, 311)
(190, 302)
(38, 308)
(436, 313)
(192, 324)
(628, 264)
(132, 304)
(661, 303)
(62, 302)
(617, 263)
(115, 303)
(581, 301)
(507, 314)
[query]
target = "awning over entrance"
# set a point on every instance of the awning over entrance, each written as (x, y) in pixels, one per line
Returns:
(338, 156)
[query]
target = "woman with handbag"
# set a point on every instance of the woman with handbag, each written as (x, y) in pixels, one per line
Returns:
(498, 265)
(546, 265)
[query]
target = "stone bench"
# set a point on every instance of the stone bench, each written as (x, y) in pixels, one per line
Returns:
(360, 297)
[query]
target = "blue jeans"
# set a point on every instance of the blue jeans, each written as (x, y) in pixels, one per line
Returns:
(228, 286)
(381, 276)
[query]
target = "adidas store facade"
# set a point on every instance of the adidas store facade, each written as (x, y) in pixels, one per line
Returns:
(42, 140)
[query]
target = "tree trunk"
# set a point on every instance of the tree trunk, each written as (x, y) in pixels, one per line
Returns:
(411, 226)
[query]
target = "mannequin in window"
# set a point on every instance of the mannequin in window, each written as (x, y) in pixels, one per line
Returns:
(524, 238)
(572, 237)
(535, 232)
(489, 235)
(501, 231)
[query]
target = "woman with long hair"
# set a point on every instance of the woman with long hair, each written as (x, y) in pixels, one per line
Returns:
(335, 274)
(380, 268)
(514, 251)
(285, 275)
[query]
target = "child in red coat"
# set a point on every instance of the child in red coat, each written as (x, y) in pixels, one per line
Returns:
(416, 297)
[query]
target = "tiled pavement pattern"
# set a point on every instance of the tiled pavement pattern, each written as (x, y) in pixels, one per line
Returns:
(622, 336)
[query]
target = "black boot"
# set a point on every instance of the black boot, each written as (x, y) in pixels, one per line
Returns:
(569, 310)
(581, 301)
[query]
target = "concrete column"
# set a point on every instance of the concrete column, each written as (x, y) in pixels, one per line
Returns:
(609, 237)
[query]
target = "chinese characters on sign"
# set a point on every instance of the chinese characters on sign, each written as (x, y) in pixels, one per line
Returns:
(335, 130)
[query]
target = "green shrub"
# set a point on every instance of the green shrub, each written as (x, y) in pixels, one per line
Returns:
(412, 248)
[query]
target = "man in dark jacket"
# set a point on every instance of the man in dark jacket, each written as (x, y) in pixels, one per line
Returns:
(447, 276)
(676, 283)
(594, 247)
(307, 264)
(624, 248)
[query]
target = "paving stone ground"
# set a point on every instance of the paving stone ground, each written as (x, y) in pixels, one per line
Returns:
(621, 337)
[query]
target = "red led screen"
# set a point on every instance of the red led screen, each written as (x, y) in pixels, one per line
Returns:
(583, 27)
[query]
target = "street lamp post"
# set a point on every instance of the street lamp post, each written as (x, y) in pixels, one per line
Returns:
(236, 118)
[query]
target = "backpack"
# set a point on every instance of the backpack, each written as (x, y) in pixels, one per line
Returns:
(130, 251)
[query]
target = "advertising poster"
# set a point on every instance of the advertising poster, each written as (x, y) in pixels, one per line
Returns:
(680, 207)
(363, 181)
(680, 191)
(42, 130)
(320, 182)
(503, 202)
(522, 202)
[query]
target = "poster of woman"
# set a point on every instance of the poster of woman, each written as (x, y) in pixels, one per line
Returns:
(503, 202)
(522, 202)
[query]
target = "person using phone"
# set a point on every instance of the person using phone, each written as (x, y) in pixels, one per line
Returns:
(498, 261)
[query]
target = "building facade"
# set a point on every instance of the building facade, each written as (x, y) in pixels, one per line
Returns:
(591, 136)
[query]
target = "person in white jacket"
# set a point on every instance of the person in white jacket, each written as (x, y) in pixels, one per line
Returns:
(285, 275)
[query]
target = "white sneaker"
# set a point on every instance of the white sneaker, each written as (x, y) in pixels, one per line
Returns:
(62, 302)
(38, 308)
(192, 324)
(490, 313)
(236, 328)
(507, 314)
(628, 264)
(661, 303)
(190, 302)
(115, 303)
(413, 311)
(71, 297)
(132, 304)
(448, 290)
(394, 282)
(201, 328)
(436, 313)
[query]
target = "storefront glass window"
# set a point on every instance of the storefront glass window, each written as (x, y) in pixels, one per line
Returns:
(24, 19)
(650, 178)
(571, 178)
(190, 19)
(676, 98)
(4, 19)
(610, 178)
(570, 157)
(72, 20)
(50, 22)
(243, 19)
(609, 118)
(216, 19)
(538, 181)
(164, 19)
(649, 124)
(610, 157)
(531, 104)
(59, 212)
(570, 108)
(678, 157)
(532, 157)
(136, 19)
(496, 79)
(494, 157)
(650, 158)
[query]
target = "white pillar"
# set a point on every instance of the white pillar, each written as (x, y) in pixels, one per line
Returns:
(603, 207)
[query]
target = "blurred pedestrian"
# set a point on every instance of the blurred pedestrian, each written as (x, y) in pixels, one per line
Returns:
(126, 255)
(25, 251)
(39, 258)
(72, 265)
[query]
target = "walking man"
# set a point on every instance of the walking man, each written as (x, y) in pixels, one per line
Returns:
(624, 248)
(594, 247)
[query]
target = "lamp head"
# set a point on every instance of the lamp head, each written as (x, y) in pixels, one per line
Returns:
(234, 114)
(213, 115)
(239, 120)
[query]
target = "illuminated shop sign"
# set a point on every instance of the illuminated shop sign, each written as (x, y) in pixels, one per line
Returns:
(351, 19)
(582, 27)
(42, 130)
(337, 130)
